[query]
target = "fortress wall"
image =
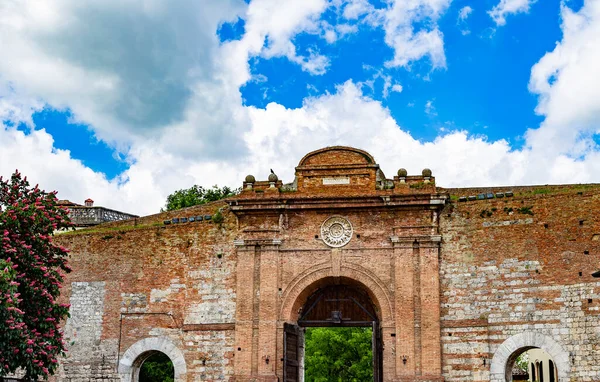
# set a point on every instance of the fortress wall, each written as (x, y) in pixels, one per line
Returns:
(520, 264)
(129, 283)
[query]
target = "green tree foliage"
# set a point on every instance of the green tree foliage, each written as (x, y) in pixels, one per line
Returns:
(522, 361)
(196, 195)
(157, 368)
(338, 354)
(31, 272)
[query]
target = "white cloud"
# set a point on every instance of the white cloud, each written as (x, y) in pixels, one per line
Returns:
(410, 45)
(129, 77)
(330, 36)
(278, 138)
(15, 108)
(170, 96)
(464, 13)
(567, 81)
(430, 108)
(410, 27)
(346, 29)
(272, 24)
(281, 136)
(507, 7)
(354, 9)
(396, 88)
(389, 84)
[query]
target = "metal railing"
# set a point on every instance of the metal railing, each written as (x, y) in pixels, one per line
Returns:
(86, 216)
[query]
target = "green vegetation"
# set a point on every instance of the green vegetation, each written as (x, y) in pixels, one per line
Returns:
(579, 188)
(418, 185)
(157, 368)
(338, 354)
(218, 218)
(197, 195)
(486, 213)
(525, 210)
(522, 361)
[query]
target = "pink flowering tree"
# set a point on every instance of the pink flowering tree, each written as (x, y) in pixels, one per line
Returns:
(32, 268)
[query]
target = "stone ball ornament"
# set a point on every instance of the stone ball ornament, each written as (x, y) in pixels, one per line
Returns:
(273, 177)
(426, 172)
(402, 173)
(336, 231)
(250, 179)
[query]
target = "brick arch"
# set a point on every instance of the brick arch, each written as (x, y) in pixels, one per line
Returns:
(510, 349)
(354, 155)
(319, 275)
(134, 357)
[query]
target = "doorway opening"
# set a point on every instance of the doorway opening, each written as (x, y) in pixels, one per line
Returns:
(531, 364)
(337, 338)
(156, 367)
(338, 354)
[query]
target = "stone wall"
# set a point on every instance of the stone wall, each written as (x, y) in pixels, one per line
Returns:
(520, 265)
(88, 357)
(131, 283)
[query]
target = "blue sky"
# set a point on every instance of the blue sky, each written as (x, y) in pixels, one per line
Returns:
(126, 102)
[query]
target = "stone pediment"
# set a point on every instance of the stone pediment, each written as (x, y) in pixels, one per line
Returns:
(336, 156)
(338, 172)
(337, 166)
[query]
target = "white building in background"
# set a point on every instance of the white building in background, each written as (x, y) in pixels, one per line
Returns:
(541, 366)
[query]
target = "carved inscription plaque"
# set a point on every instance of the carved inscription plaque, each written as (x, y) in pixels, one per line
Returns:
(336, 180)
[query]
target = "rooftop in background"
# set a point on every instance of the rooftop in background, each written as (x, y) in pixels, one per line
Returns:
(87, 215)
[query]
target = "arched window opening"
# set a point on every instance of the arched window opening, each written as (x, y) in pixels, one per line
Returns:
(155, 366)
(156, 350)
(537, 346)
(530, 364)
(551, 371)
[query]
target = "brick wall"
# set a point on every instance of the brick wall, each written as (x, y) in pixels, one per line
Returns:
(451, 281)
(520, 264)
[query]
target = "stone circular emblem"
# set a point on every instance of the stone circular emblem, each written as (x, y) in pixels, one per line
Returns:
(336, 231)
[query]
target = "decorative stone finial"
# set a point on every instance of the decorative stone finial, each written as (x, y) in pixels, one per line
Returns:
(426, 173)
(402, 173)
(273, 178)
(250, 179)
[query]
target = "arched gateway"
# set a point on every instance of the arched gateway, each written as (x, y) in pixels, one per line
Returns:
(331, 302)
(332, 251)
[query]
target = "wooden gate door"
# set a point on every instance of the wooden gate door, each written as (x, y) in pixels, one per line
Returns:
(291, 353)
(377, 348)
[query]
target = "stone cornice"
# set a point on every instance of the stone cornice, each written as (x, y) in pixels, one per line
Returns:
(298, 202)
